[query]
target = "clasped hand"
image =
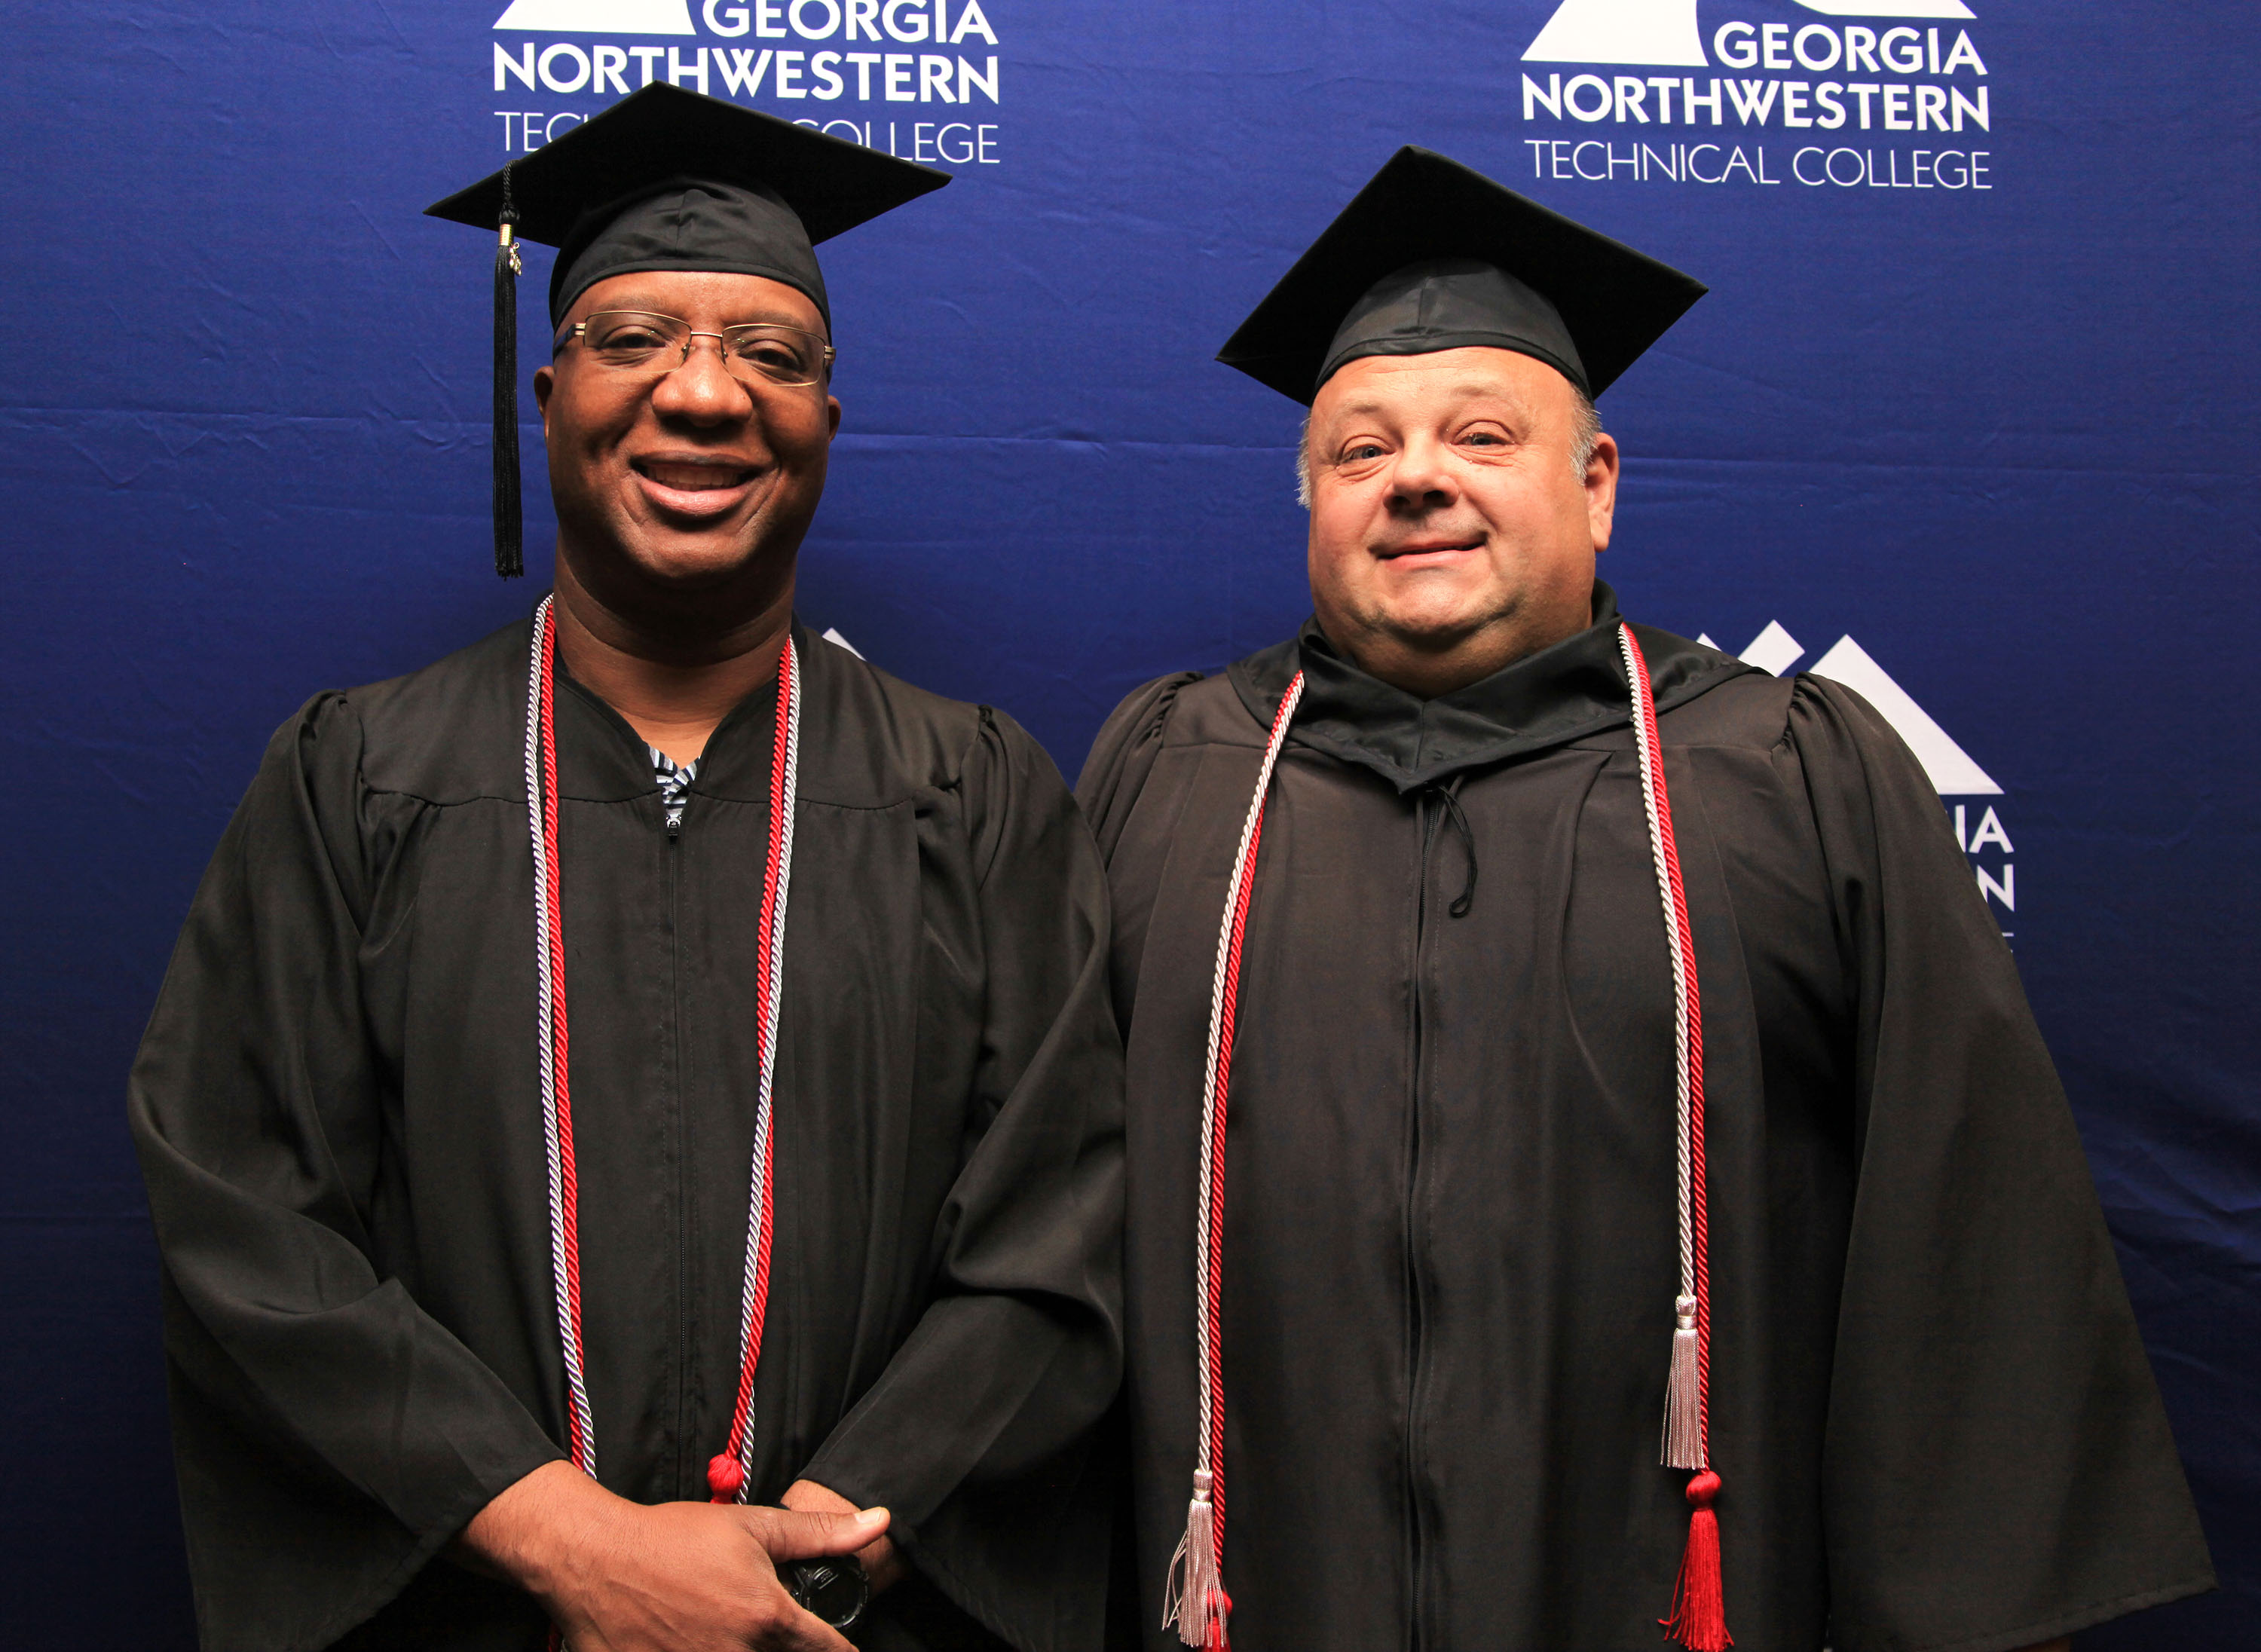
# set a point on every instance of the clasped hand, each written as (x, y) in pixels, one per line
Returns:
(622, 1577)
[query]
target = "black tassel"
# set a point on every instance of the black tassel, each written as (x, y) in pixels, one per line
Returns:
(509, 534)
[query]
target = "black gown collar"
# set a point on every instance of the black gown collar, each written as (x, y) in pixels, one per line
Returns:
(1575, 688)
(615, 764)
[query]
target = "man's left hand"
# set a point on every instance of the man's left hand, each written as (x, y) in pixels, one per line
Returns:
(881, 1564)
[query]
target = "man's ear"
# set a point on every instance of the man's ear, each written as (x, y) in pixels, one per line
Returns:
(545, 383)
(1601, 484)
(832, 415)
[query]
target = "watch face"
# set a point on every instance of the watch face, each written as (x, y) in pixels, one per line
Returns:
(834, 1590)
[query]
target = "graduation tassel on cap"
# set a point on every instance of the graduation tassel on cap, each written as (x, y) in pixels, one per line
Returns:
(510, 558)
(1699, 1613)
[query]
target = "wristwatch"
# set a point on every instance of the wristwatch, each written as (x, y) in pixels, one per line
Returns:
(834, 1589)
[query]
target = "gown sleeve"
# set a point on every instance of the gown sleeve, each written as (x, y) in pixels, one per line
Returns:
(977, 1434)
(1123, 756)
(1998, 1468)
(329, 1435)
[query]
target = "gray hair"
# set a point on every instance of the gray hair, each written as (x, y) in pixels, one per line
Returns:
(1585, 431)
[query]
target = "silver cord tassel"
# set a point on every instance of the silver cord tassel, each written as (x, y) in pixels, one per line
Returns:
(1194, 1604)
(1683, 1416)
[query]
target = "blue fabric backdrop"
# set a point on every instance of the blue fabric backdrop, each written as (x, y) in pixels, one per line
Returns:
(1974, 389)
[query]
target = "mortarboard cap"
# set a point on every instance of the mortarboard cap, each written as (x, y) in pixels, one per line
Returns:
(667, 179)
(1432, 256)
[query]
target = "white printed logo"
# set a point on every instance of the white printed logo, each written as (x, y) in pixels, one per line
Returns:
(845, 67)
(1665, 31)
(1621, 31)
(1953, 774)
(1816, 105)
(1949, 768)
(599, 17)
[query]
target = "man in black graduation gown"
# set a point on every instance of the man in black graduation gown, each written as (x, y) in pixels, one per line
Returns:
(1450, 1288)
(399, 1313)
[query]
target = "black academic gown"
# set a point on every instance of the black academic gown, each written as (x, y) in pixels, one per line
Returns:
(1449, 1245)
(337, 1110)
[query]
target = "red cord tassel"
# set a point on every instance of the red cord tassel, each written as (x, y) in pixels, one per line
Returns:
(1700, 1608)
(724, 1476)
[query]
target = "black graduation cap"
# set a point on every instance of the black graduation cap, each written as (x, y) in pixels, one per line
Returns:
(1432, 256)
(666, 179)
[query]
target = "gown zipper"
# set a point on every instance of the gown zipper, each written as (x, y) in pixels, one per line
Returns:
(1416, 1274)
(689, 1467)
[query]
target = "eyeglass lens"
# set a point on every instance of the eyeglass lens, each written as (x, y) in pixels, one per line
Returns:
(638, 340)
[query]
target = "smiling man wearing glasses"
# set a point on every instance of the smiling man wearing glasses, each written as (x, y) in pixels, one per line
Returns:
(633, 1122)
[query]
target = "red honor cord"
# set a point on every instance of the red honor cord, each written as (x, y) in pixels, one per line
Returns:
(729, 1475)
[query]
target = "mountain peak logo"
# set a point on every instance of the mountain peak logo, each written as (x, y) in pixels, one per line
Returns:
(599, 17)
(1665, 31)
(1948, 766)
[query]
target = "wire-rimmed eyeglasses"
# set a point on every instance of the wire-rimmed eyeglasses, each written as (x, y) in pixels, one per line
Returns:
(640, 341)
